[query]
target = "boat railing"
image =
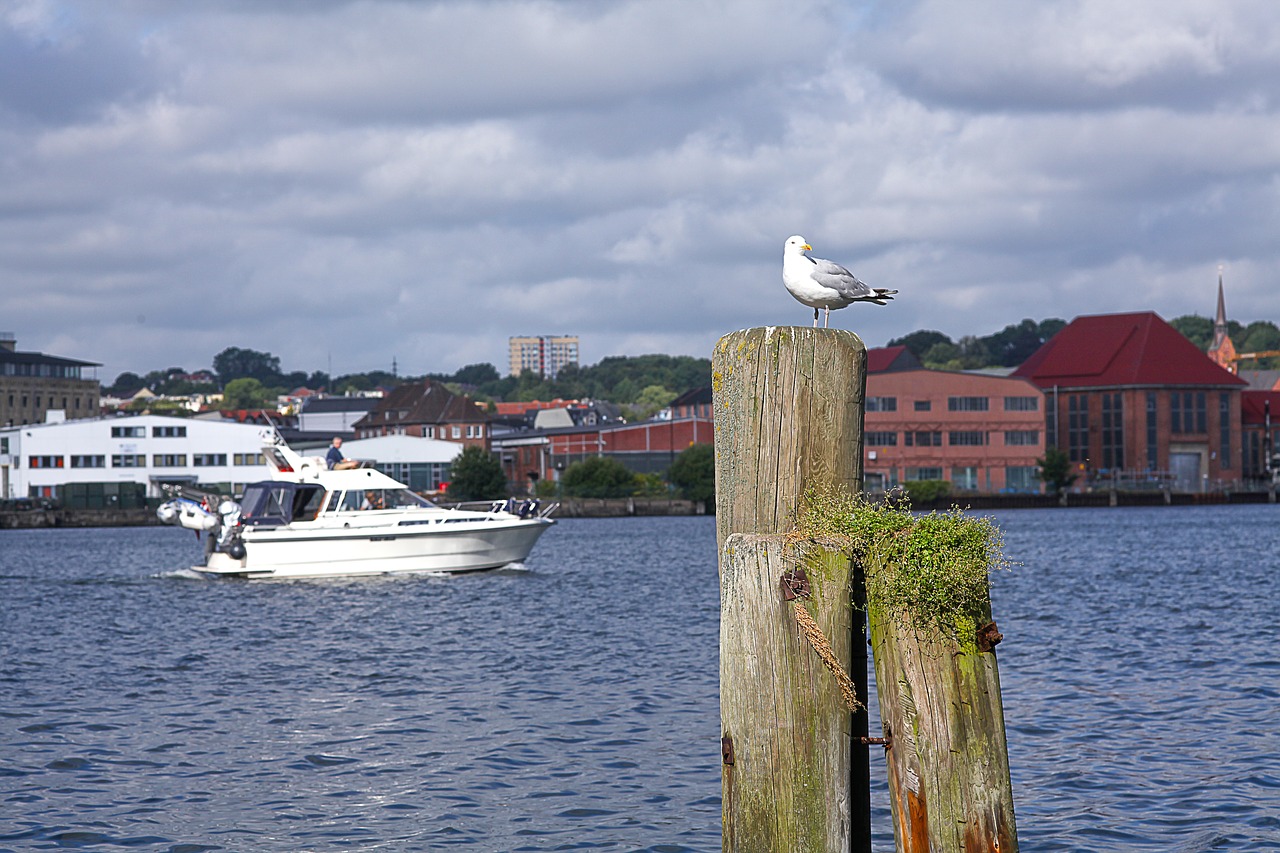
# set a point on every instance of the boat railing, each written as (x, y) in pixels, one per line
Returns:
(521, 507)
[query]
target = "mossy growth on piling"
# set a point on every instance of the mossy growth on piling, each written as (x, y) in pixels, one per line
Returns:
(926, 571)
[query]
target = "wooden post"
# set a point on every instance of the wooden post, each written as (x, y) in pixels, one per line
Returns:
(788, 410)
(949, 784)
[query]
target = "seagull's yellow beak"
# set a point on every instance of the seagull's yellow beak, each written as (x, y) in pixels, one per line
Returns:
(807, 247)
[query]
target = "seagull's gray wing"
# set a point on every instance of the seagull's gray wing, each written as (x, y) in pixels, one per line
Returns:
(832, 275)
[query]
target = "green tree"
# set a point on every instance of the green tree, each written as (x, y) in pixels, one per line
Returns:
(694, 473)
(126, 383)
(1055, 470)
(244, 394)
(1198, 330)
(652, 400)
(598, 477)
(236, 363)
(476, 475)
(476, 374)
(920, 342)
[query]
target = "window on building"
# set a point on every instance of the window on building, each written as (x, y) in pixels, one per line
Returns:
(1153, 435)
(881, 439)
(1187, 412)
(923, 474)
(967, 404)
(965, 478)
(923, 405)
(4, 446)
(967, 438)
(45, 461)
(208, 460)
(1224, 430)
(1112, 431)
(1022, 478)
(924, 438)
(457, 431)
(129, 460)
(1021, 437)
(1051, 421)
(882, 404)
(1078, 427)
(128, 432)
(248, 459)
(169, 460)
(88, 462)
(1022, 404)
(169, 432)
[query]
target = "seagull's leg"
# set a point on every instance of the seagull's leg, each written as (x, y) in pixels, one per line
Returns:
(826, 319)
(815, 318)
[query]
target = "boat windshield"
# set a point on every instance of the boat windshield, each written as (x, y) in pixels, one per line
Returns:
(279, 503)
(363, 500)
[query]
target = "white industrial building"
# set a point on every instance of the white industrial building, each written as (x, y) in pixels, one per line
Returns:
(422, 464)
(37, 459)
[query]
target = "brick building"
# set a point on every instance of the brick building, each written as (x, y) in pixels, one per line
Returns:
(1133, 402)
(980, 431)
(426, 409)
(33, 384)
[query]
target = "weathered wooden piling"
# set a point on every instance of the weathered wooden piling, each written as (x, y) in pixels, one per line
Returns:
(788, 409)
(940, 706)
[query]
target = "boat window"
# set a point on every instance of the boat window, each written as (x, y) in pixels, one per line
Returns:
(335, 502)
(403, 498)
(307, 502)
(264, 501)
(351, 501)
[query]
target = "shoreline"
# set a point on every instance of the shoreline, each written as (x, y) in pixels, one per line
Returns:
(35, 519)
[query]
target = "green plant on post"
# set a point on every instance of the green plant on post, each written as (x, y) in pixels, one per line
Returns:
(931, 570)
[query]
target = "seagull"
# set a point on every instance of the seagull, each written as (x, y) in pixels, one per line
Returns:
(823, 284)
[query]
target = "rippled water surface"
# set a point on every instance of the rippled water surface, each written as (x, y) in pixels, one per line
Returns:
(572, 704)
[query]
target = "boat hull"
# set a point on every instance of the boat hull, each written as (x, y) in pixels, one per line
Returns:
(306, 551)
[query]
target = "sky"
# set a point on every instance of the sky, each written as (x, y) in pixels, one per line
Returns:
(348, 185)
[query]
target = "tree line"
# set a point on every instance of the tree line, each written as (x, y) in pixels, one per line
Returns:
(646, 383)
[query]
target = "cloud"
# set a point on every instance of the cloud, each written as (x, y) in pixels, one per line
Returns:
(361, 181)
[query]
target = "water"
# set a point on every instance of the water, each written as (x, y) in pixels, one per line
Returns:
(572, 705)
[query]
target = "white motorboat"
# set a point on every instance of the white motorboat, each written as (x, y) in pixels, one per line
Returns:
(310, 522)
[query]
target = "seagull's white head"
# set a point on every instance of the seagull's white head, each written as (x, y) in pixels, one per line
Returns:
(796, 245)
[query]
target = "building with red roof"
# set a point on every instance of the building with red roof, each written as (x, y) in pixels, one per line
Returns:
(1130, 400)
(1260, 434)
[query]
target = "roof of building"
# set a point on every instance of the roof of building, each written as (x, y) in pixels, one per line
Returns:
(328, 405)
(1113, 350)
(522, 406)
(696, 397)
(426, 402)
(15, 357)
(1262, 380)
(884, 359)
(1254, 407)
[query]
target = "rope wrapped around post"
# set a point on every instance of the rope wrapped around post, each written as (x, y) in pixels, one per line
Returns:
(795, 588)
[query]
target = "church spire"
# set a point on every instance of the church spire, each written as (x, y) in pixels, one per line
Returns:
(1222, 350)
(1220, 323)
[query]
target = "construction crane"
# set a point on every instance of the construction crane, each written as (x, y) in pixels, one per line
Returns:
(1248, 356)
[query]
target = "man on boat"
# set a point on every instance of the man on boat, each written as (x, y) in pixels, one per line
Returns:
(336, 460)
